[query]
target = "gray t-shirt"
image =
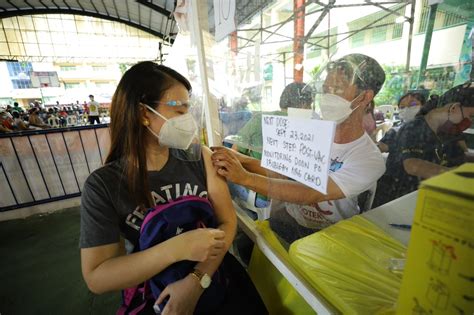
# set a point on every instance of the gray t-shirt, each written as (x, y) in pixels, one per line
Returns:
(108, 210)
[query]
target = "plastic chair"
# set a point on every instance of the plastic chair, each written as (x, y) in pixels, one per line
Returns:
(262, 213)
(71, 120)
(247, 200)
(53, 121)
(387, 110)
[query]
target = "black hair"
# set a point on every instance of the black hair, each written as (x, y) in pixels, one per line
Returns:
(463, 94)
(417, 95)
(297, 95)
(146, 83)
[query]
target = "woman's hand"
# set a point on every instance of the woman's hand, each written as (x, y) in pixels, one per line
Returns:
(183, 296)
(227, 164)
(200, 244)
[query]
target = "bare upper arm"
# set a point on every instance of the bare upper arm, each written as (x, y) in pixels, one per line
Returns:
(218, 191)
(93, 257)
(421, 168)
(410, 166)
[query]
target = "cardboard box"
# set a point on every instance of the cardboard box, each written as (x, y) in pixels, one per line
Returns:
(439, 272)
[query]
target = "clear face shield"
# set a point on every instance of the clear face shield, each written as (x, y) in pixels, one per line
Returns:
(336, 88)
(182, 133)
(193, 152)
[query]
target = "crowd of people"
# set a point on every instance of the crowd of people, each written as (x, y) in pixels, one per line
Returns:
(153, 136)
(36, 116)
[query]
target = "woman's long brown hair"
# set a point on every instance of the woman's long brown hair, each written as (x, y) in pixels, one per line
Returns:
(145, 82)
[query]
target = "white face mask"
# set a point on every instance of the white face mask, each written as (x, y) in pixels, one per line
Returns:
(177, 132)
(408, 113)
(335, 108)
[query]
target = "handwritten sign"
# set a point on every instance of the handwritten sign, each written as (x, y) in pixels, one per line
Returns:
(298, 148)
(224, 17)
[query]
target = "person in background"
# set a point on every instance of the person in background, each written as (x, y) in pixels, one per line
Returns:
(409, 106)
(93, 107)
(455, 144)
(356, 163)
(43, 114)
(36, 121)
(233, 120)
(62, 115)
(419, 152)
(296, 95)
(17, 107)
(6, 122)
(18, 123)
(151, 128)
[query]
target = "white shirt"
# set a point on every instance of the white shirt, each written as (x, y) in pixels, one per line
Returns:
(355, 167)
(93, 108)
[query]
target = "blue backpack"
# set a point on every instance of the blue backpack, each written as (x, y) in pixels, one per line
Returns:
(159, 224)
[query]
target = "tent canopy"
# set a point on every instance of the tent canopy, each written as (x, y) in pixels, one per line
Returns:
(152, 16)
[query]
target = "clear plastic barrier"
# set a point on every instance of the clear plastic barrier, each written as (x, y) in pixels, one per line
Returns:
(383, 82)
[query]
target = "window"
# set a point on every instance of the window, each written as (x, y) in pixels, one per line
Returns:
(68, 68)
(20, 74)
(102, 84)
(357, 39)
(72, 85)
(17, 68)
(397, 31)
(379, 34)
(22, 84)
(381, 26)
(99, 68)
(442, 19)
(451, 19)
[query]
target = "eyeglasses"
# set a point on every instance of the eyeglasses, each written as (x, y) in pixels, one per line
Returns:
(410, 104)
(186, 103)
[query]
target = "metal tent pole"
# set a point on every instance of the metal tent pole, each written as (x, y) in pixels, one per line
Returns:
(426, 46)
(211, 136)
(410, 36)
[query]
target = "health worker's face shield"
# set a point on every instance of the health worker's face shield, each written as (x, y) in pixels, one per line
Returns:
(336, 89)
(182, 127)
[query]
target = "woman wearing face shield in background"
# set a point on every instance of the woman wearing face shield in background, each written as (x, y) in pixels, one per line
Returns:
(408, 106)
(356, 163)
(419, 151)
(152, 133)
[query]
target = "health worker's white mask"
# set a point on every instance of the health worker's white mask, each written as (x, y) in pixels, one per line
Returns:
(335, 108)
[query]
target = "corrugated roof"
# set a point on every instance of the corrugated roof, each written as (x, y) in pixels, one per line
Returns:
(152, 16)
